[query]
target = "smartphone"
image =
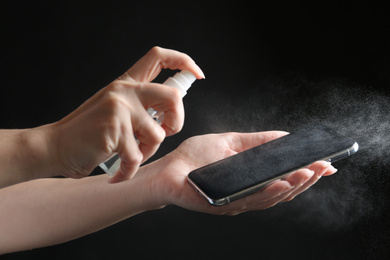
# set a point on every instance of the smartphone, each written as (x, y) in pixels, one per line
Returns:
(242, 174)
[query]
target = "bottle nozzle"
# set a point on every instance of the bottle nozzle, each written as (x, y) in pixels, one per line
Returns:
(181, 80)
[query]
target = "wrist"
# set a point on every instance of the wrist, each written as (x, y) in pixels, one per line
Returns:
(24, 155)
(38, 153)
(153, 182)
(167, 182)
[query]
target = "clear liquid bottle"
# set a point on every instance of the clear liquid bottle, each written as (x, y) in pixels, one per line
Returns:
(182, 81)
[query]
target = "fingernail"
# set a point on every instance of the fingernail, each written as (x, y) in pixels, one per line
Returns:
(201, 72)
(333, 169)
(169, 131)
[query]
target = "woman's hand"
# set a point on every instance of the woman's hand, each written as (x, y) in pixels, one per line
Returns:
(171, 185)
(74, 208)
(108, 122)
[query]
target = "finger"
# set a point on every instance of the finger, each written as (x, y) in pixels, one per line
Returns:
(259, 200)
(279, 191)
(173, 120)
(167, 100)
(330, 170)
(149, 134)
(270, 196)
(150, 65)
(296, 180)
(129, 153)
(271, 192)
(263, 199)
(242, 141)
(319, 168)
(303, 187)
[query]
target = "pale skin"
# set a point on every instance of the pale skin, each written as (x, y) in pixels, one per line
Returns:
(104, 124)
(48, 211)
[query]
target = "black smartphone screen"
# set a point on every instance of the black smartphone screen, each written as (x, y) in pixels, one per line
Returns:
(249, 171)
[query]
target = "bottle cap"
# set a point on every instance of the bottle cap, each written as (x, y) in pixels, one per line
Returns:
(181, 80)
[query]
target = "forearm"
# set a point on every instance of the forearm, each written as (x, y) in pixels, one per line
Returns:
(25, 155)
(50, 211)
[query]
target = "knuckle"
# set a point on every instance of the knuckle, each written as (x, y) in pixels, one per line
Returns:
(115, 86)
(155, 51)
(110, 135)
(186, 59)
(155, 133)
(161, 135)
(174, 97)
(140, 88)
(158, 135)
(113, 109)
(114, 100)
(121, 86)
(113, 104)
(136, 159)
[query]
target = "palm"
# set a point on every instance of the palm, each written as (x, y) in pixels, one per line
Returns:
(202, 150)
(192, 154)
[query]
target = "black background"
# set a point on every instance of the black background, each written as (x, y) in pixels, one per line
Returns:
(279, 67)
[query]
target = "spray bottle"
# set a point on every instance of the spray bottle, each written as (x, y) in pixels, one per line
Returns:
(182, 81)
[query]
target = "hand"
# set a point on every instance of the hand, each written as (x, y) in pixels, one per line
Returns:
(172, 186)
(108, 122)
